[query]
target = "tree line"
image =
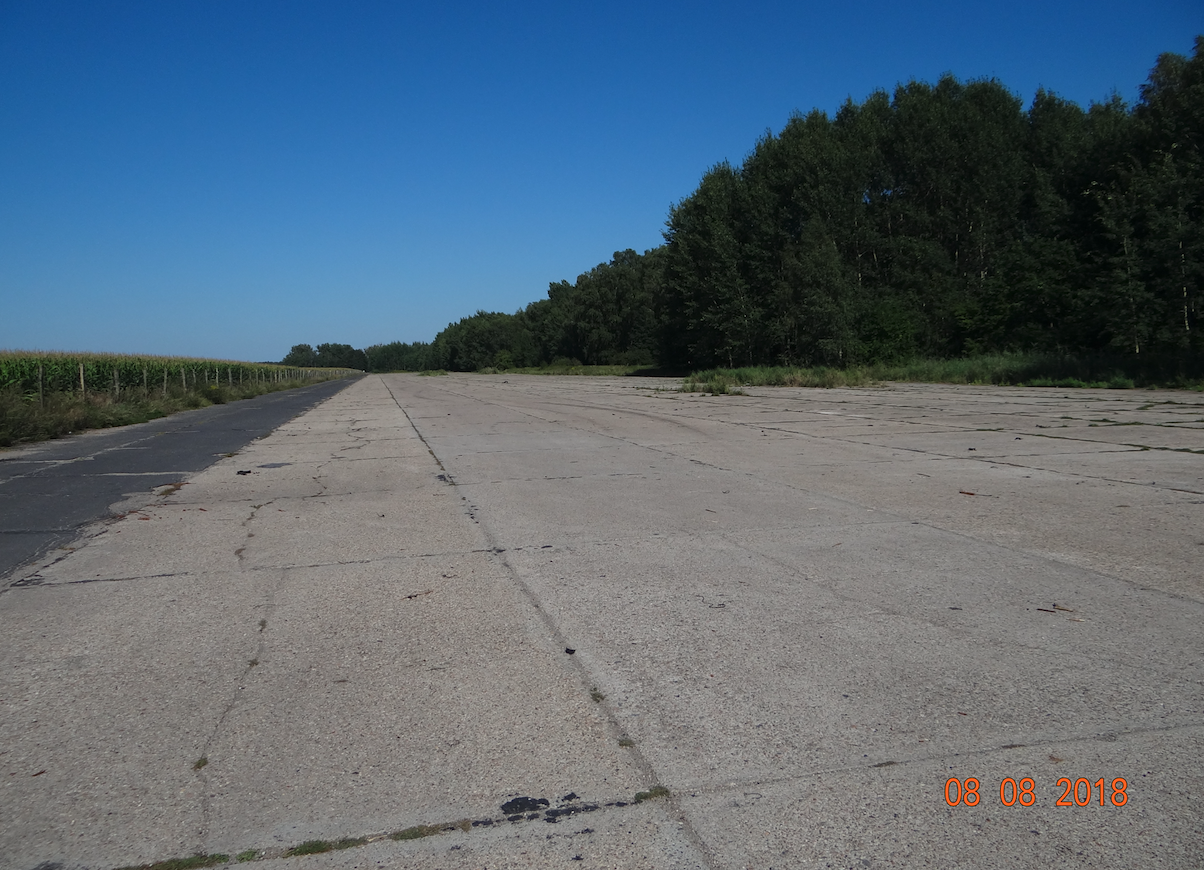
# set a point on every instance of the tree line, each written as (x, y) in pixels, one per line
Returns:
(328, 356)
(942, 220)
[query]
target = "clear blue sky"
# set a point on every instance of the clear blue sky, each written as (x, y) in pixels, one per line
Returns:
(231, 177)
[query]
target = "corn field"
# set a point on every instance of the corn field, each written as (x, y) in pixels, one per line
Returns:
(38, 375)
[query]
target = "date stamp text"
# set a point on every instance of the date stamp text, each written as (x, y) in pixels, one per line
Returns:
(1074, 792)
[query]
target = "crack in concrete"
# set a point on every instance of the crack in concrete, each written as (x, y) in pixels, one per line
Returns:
(246, 524)
(206, 806)
(36, 580)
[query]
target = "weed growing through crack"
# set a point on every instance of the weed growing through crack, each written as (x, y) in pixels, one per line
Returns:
(626, 741)
(596, 695)
(252, 663)
(248, 855)
(310, 847)
(415, 833)
(183, 863)
(199, 763)
(263, 623)
(657, 791)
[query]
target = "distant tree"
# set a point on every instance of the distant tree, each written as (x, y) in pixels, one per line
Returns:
(1170, 140)
(488, 338)
(341, 356)
(398, 357)
(608, 315)
(302, 356)
(326, 356)
(709, 316)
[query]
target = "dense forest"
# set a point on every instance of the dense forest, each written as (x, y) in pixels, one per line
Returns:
(330, 356)
(941, 221)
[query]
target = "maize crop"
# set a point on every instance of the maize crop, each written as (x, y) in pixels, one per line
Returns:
(36, 375)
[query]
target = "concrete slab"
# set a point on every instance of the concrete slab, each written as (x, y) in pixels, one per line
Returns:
(159, 541)
(111, 692)
(404, 693)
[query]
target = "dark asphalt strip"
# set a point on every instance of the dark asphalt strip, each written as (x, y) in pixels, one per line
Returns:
(48, 492)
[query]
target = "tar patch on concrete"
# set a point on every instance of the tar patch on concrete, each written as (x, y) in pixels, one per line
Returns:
(524, 805)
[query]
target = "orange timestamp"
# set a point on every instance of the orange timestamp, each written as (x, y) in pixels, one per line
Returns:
(1075, 793)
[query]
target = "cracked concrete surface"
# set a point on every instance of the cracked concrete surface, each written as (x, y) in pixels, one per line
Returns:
(333, 637)
(805, 609)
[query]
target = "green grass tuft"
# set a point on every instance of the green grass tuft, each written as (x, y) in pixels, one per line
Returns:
(310, 847)
(657, 791)
(415, 833)
(183, 863)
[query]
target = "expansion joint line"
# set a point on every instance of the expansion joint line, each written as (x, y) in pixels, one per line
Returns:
(417, 431)
(498, 552)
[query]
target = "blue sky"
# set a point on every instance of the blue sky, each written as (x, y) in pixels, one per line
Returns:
(231, 177)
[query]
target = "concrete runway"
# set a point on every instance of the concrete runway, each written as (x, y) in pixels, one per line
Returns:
(800, 611)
